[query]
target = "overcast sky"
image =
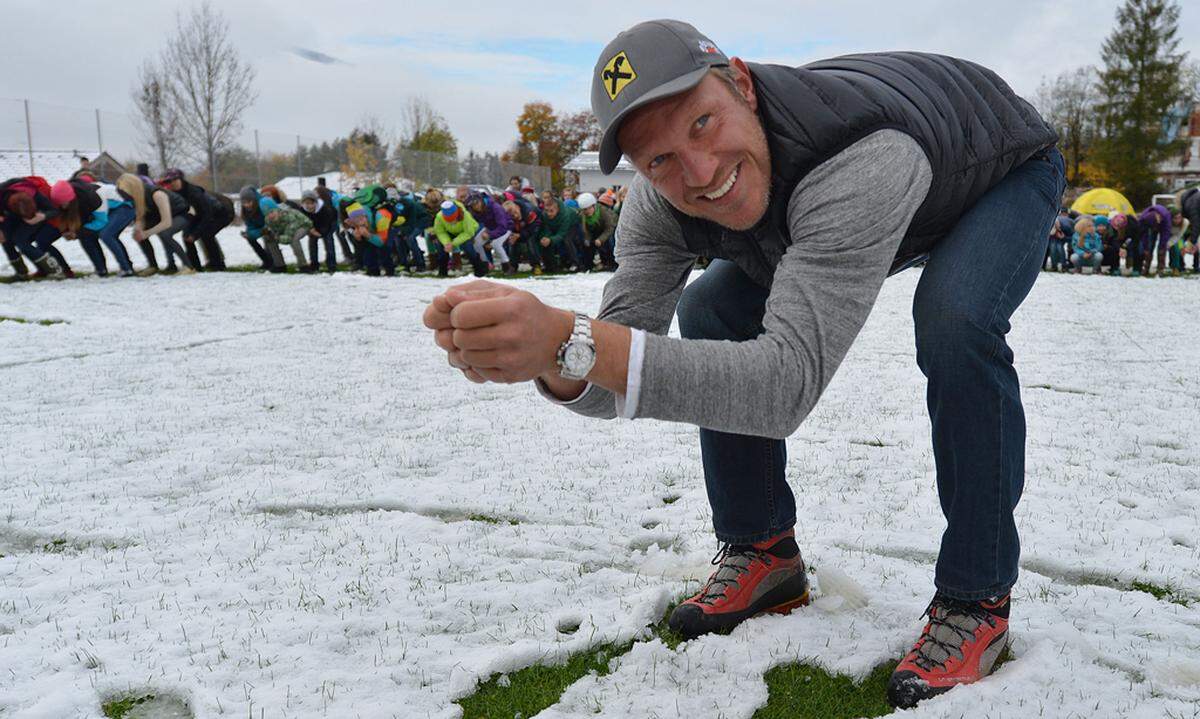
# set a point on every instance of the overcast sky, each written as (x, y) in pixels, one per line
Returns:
(478, 63)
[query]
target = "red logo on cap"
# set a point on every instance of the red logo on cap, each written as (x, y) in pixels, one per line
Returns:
(708, 47)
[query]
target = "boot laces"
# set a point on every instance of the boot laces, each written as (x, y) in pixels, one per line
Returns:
(951, 622)
(732, 561)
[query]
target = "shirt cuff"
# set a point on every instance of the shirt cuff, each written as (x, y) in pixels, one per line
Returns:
(627, 405)
(544, 391)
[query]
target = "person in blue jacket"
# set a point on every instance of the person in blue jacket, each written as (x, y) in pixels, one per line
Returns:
(255, 221)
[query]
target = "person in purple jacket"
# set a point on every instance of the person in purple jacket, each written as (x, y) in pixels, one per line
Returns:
(488, 213)
(1156, 226)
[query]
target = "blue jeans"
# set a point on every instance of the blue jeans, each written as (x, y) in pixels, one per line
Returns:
(976, 277)
(118, 219)
(1058, 254)
(1080, 261)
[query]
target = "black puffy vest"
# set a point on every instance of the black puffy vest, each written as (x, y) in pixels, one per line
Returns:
(973, 128)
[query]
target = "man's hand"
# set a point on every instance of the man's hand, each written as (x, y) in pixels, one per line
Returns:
(545, 242)
(138, 235)
(497, 333)
(37, 219)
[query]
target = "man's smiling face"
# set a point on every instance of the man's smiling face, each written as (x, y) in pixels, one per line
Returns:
(705, 150)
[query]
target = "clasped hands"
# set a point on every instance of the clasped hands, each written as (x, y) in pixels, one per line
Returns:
(497, 333)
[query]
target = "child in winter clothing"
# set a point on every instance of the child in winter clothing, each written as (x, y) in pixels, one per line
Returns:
(91, 206)
(527, 227)
(456, 230)
(255, 222)
(497, 228)
(416, 220)
(284, 224)
(560, 224)
(599, 228)
(324, 221)
(1088, 249)
(157, 211)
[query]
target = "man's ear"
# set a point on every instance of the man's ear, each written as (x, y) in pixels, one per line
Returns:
(744, 81)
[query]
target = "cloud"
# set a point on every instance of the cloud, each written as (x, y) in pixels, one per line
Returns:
(316, 56)
(478, 63)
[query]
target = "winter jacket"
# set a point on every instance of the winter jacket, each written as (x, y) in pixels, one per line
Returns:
(204, 205)
(1189, 207)
(455, 233)
(110, 200)
(494, 218)
(34, 186)
(382, 220)
(283, 223)
(416, 216)
(255, 219)
(323, 219)
(561, 227)
(601, 225)
(973, 129)
(1156, 224)
(1087, 242)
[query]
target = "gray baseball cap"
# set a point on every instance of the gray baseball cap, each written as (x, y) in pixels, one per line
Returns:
(647, 62)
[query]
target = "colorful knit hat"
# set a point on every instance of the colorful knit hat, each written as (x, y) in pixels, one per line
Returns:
(62, 193)
(451, 211)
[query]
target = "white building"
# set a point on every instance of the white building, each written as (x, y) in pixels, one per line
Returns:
(586, 166)
(1184, 170)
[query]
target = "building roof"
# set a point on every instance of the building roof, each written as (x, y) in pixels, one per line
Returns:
(590, 161)
(51, 164)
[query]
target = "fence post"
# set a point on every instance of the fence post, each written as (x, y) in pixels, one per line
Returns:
(99, 133)
(29, 138)
(299, 167)
(257, 161)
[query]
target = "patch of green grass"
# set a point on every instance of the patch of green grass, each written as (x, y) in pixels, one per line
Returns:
(24, 321)
(801, 691)
(491, 520)
(118, 708)
(1158, 591)
(528, 691)
(55, 546)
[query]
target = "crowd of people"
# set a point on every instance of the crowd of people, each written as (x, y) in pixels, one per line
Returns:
(378, 228)
(1132, 244)
(383, 228)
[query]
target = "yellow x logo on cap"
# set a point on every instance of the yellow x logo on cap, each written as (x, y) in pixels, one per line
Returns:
(617, 74)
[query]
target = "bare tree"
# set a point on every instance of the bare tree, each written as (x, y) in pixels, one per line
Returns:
(210, 86)
(1069, 103)
(154, 113)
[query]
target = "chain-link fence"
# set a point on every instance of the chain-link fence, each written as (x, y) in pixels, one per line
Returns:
(38, 138)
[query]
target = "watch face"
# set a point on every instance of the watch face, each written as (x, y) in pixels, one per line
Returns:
(578, 357)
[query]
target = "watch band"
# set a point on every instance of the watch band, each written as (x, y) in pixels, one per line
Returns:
(581, 332)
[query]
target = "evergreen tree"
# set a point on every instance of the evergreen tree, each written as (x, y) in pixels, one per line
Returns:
(1141, 81)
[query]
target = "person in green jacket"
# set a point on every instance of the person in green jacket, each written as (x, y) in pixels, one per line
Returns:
(455, 230)
(560, 224)
(599, 226)
(284, 224)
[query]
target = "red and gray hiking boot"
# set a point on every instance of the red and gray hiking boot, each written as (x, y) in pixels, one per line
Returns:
(960, 645)
(751, 579)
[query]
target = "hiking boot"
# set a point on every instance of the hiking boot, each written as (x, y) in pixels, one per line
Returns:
(959, 645)
(751, 579)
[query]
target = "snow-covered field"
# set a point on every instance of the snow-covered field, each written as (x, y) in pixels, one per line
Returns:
(266, 494)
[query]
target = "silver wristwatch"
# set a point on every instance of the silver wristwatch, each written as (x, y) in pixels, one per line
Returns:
(577, 355)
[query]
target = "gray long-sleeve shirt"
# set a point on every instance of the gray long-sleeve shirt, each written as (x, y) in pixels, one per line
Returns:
(846, 219)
